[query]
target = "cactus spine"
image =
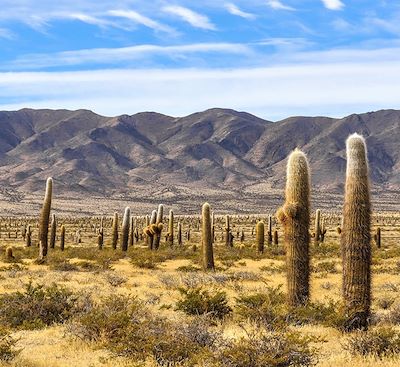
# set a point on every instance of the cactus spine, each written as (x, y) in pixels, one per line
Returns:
(53, 231)
(115, 231)
(260, 236)
(206, 239)
(44, 219)
(355, 238)
(62, 238)
(125, 229)
(171, 228)
(295, 217)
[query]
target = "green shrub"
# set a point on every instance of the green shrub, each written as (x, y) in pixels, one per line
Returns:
(325, 267)
(380, 342)
(36, 307)
(268, 349)
(198, 301)
(8, 350)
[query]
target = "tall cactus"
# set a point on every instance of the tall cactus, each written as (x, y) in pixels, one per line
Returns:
(28, 236)
(317, 227)
(356, 237)
(295, 218)
(171, 228)
(132, 232)
(206, 239)
(62, 238)
(227, 230)
(125, 229)
(44, 219)
(159, 226)
(270, 230)
(180, 234)
(260, 236)
(53, 231)
(115, 231)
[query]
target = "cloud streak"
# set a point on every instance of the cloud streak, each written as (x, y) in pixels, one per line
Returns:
(235, 10)
(278, 5)
(333, 4)
(189, 16)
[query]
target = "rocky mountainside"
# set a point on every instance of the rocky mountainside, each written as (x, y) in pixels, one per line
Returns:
(214, 150)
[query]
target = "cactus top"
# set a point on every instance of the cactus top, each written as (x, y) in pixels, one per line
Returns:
(298, 178)
(357, 163)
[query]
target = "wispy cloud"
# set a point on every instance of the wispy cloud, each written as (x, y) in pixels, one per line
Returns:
(141, 19)
(235, 10)
(116, 55)
(333, 4)
(278, 5)
(7, 34)
(193, 18)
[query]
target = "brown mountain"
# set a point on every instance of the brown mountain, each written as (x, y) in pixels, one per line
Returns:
(215, 152)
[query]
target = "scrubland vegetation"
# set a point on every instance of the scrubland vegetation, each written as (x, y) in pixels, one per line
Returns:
(301, 287)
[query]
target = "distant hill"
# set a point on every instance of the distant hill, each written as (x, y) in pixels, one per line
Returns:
(214, 150)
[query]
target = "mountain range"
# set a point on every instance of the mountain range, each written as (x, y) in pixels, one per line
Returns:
(210, 152)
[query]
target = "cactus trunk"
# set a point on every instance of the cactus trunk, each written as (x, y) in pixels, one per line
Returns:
(206, 239)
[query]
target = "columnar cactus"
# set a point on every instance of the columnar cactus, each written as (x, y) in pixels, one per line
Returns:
(260, 236)
(355, 237)
(44, 219)
(206, 240)
(28, 236)
(179, 233)
(295, 218)
(377, 237)
(53, 231)
(62, 238)
(115, 231)
(213, 227)
(159, 227)
(317, 227)
(269, 230)
(276, 237)
(171, 228)
(125, 229)
(227, 230)
(132, 232)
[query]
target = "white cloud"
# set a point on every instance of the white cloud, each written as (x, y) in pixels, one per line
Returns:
(235, 10)
(115, 55)
(333, 4)
(6, 33)
(319, 88)
(195, 19)
(141, 19)
(278, 5)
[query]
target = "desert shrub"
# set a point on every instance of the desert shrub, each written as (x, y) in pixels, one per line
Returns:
(8, 350)
(37, 306)
(198, 301)
(386, 302)
(115, 280)
(63, 265)
(326, 250)
(327, 314)
(274, 269)
(380, 342)
(325, 267)
(144, 263)
(393, 315)
(268, 349)
(266, 308)
(188, 268)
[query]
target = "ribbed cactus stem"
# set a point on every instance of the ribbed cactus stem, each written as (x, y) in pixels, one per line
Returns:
(132, 232)
(212, 226)
(125, 229)
(62, 238)
(53, 231)
(270, 230)
(28, 236)
(114, 242)
(295, 217)
(260, 236)
(44, 219)
(355, 237)
(227, 230)
(206, 240)
(317, 227)
(179, 233)
(171, 228)
(158, 230)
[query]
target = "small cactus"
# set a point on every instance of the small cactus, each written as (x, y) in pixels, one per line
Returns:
(62, 238)
(171, 228)
(9, 253)
(53, 231)
(269, 230)
(377, 237)
(115, 231)
(227, 231)
(125, 229)
(180, 234)
(260, 237)
(206, 239)
(317, 227)
(28, 236)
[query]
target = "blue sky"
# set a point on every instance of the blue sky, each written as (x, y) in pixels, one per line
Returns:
(273, 58)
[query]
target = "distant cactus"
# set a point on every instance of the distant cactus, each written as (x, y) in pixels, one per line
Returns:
(269, 230)
(28, 236)
(295, 217)
(377, 237)
(355, 238)
(317, 227)
(179, 234)
(9, 253)
(53, 231)
(115, 231)
(62, 238)
(206, 240)
(276, 237)
(212, 226)
(158, 230)
(132, 232)
(339, 230)
(44, 219)
(100, 242)
(171, 228)
(125, 229)
(227, 231)
(260, 236)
